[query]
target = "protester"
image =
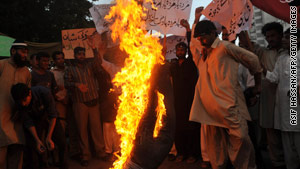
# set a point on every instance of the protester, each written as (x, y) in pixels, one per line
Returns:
(62, 103)
(62, 99)
(81, 82)
(184, 77)
(287, 120)
(247, 83)
(108, 109)
(41, 76)
(273, 33)
(219, 101)
(36, 109)
(12, 71)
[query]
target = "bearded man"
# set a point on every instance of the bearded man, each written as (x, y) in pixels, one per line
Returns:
(12, 71)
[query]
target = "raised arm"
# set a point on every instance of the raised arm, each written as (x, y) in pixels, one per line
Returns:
(198, 14)
(186, 25)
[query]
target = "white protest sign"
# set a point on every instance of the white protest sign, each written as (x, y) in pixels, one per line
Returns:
(98, 13)
(171, 43)
(235, 15)
(166, 15)
(73, 38)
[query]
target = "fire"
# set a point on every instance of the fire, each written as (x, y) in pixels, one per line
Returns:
(144, 51)
(161, 111)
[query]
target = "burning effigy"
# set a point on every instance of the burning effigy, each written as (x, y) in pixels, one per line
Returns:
(146, 91)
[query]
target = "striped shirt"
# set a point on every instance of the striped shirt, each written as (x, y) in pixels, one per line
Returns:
(84, 75)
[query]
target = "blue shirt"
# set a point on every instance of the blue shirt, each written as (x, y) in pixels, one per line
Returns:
(41, 107)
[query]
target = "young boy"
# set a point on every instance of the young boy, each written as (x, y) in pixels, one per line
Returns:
(36, 109)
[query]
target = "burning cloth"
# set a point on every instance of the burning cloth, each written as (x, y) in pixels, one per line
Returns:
(149, 152)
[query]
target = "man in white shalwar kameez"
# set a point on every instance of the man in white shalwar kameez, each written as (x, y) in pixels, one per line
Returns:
(219, 102)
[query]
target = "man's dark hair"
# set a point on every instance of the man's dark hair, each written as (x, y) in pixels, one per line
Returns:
(41, 55)
(272, 26)
(204, 27)
(78, 49)
(54, 54)
(19, 91)
(181, 45)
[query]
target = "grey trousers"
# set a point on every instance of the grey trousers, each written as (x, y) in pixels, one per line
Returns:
(89, 118)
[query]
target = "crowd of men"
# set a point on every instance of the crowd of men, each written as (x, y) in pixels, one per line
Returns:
(229, 93)
(41, 105)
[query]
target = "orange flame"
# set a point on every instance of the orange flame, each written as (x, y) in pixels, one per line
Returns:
(134, 79)
(161, 111)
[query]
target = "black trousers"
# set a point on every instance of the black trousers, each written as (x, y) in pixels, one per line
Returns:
(187, 141)
(258, 156)
(34, 160)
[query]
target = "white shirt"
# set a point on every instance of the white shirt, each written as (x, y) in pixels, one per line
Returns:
(281, 76)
